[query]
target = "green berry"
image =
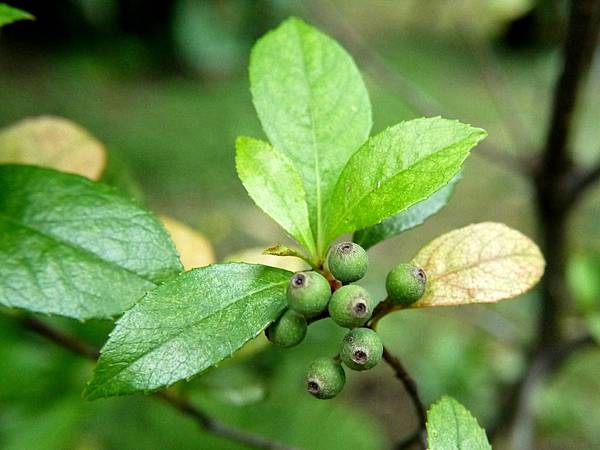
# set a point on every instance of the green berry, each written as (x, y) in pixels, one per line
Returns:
(351, 306)
(325, 378)
(406, 284)
(288, 330)
(361, 349)
(308, 293)
(348, 262)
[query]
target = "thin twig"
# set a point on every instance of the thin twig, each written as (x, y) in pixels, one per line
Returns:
(411, 388)
(326, 13)
(583, 180)
(498, 87)
(214, 426)
(543, 367)
(59, 338)
(181, 404)
(420, 102)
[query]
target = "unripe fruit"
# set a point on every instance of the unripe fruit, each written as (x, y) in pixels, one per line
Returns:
(406, 284)
(361, 349)
(288, 330)
(308, 293)
(325, 378)
(348, 262)
(350, 306)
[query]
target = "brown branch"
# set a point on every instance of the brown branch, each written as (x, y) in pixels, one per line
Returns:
(554, 200)
(555, 172)
(59, 338)
(543, 367)
(214, 426)
(411, 388)
(181, 404)
(562, 354)
(578, 51)
(584, 180)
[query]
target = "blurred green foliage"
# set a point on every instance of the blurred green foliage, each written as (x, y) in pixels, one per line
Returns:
(173, 132)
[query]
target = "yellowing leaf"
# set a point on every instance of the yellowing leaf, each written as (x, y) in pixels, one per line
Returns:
(194, 249)
(257, 256)
(481, 263)
(53, 142)
(281, 250)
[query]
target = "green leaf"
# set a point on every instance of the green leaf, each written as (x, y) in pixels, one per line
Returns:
(407, 219)
(313, 106)
(8, 15)
(188, 325)
(451, 427)
(275, 186)
(481, 263)
(399, 167)
(76, 248)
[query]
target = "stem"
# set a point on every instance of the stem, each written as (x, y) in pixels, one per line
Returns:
(411, 388)
(420, 435)
(209, 424)
(59, 338)
(554, 196)
(584, 180)
(542, 368)
(181, 404)
(382, 309)
(555, 171)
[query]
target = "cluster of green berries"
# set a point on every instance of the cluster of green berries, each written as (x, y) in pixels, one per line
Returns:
(310, 295)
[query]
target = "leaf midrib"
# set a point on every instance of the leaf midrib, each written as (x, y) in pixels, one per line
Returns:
(315, 152)
(389, 180)
(86, 253)
(456, 425)
(185, 328)
(308, 240)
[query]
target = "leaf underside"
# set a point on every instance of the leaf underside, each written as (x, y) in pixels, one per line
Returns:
(481, 263)
(188, 325)
(76, 248)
